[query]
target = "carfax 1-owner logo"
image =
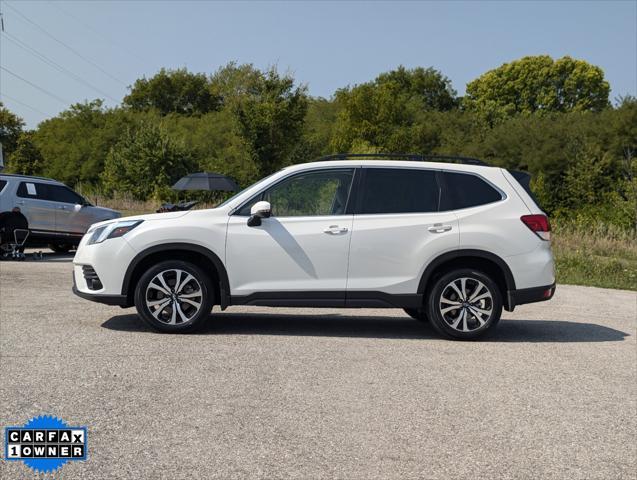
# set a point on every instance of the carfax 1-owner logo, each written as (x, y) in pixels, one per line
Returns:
(45, 443)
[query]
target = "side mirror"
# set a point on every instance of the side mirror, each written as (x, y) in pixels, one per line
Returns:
(77, 207)
(258, 211)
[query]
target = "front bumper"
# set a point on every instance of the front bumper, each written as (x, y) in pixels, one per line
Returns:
(98, 270)
(121, 300)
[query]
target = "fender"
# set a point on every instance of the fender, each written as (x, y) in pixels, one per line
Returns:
(224, 283)
(445, 257)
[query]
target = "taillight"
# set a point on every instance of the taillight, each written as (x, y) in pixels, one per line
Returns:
(538, 224)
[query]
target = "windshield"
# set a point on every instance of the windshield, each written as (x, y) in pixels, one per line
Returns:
(226, 202)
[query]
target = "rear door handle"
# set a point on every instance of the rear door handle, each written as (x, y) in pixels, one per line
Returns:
(439, 228)
(335, 230)
(20, 203)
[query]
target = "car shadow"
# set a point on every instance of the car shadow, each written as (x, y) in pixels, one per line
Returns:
(339, 325)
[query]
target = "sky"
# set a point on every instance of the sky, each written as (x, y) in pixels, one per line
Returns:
(55, 53)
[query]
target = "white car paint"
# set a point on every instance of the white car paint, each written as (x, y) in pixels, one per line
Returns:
(386, 253)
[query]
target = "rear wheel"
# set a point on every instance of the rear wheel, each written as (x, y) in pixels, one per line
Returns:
(464, 304)
(417, 314)
(174, 296)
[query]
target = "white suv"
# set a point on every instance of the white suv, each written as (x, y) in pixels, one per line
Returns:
(449, 243)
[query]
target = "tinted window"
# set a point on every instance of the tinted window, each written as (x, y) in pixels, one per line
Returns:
(58, 193)
(30, 190)
(2, 184)
(307, 194)
(393, 190)
(465, 190)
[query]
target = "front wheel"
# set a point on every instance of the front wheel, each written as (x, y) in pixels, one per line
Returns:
(174, 296)
(464, 304)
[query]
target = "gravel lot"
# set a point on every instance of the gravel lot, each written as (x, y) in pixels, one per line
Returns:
(299, 393)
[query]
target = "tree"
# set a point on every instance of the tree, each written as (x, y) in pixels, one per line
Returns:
(270, 117)
(538, 84)
(173, 91)
(427, 85)
(384, 114)
(26, 159)
(10, 129)
(233, 81)
(145, 162)
(75, 143)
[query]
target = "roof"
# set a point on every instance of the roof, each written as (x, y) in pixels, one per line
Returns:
(416, 157)
(460, 167)
(30, 177)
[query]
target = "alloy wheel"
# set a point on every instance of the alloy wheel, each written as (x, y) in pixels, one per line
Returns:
(466, 304)
(174, 296)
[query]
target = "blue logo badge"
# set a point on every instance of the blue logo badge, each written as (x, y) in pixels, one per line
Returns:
(45, 443)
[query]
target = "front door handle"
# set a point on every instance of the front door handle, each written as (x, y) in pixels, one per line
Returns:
(335, 230)
(439, 228)
(20, 203)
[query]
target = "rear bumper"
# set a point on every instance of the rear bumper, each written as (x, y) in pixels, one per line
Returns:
(531, 295)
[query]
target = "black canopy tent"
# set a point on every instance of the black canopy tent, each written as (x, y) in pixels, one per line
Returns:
(201, 181)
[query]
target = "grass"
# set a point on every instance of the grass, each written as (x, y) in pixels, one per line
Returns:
(597, 256)
(129, 207)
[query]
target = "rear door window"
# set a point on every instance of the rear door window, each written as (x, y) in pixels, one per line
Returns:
(32, 190)
(398, 190)
(464, 190)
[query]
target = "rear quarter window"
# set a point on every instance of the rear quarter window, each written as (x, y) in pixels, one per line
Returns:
(464, 190)
(3, 183)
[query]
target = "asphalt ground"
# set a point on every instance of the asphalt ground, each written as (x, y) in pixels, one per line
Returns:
(325, 393)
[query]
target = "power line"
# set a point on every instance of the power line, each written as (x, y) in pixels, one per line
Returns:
(71, 49)
(53, 95)
(124, 48)
(53, 64)
(3, 95)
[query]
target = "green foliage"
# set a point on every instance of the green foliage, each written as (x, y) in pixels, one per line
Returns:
(145, 162)
(593, 252)
(270, 116)
(538, 84)
(551, 118)
(387, 114)
(10, 129)
(426, 85)
(75, 143)
(26, 159)
(173, 91)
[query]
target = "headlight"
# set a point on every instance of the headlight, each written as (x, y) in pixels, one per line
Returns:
(111, 230)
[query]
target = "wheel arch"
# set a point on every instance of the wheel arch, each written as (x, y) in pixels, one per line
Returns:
(178, 251)
(3, 220)
(484, 261)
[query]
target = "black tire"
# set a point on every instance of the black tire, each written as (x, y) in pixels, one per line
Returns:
(417, 314)
(61, 247)
(168, 318)
(474, 324)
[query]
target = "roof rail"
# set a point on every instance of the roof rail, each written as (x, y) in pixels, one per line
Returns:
(34, 177)
(406, 156)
